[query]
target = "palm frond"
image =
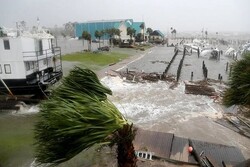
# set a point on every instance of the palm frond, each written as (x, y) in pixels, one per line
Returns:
(238, 92)
(77, 116)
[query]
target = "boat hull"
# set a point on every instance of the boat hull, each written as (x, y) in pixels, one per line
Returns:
(24, 87)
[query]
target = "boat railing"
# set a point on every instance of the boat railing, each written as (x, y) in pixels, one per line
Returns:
(45, 55)
(39, 54)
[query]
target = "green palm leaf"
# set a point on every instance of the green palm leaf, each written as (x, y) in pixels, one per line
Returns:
(238, 92)
(77, 116)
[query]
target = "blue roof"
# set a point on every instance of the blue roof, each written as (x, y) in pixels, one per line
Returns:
(136, 26)
(158, 32)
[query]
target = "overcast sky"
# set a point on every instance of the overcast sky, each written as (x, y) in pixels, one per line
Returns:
(183, 15)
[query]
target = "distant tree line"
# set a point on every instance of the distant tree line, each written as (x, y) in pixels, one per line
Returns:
(2, 34)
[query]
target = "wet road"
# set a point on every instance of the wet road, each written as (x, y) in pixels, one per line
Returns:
(158, 58)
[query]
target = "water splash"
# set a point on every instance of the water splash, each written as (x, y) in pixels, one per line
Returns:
(26, 109)
(149, 104)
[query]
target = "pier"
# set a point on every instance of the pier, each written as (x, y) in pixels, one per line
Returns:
(171, 148)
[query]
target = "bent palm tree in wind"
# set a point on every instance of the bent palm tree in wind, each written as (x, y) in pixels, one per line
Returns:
(77, 116)
(238, 92)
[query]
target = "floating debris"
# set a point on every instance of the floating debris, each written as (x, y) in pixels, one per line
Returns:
(201, 88)
(142, 76)
(157, 61)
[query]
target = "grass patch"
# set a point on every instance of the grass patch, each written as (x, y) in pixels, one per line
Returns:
(95, 61)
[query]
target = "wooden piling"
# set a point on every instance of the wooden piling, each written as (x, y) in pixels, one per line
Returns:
(227, 67)
(192, 75)
(171, 61)
(230, 71)
(198, 52)
(180, 65)
(220, 79)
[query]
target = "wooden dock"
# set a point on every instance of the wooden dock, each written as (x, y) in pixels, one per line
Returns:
(169, 147)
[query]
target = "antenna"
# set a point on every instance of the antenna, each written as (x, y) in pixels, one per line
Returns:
(38, 24)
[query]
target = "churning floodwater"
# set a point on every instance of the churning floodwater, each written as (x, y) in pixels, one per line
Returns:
(152, 106)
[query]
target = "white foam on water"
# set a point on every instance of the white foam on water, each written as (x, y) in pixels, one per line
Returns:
(148, 104)
(26, 109)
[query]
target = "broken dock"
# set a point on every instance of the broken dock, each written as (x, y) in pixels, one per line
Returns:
(171, 148)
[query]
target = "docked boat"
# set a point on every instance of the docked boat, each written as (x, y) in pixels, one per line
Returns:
(29, 63)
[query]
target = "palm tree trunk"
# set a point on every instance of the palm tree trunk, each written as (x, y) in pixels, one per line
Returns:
(125, 150)
(89, 45)
(99, 42)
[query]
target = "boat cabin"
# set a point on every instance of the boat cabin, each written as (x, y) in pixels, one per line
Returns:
(28, 63)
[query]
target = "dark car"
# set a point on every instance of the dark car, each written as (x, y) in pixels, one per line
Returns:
(95, 41)
(104, 48)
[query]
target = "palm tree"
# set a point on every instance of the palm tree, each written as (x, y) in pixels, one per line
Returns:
(98, 35)
(174, 32)
(131, 32)
(206, 33)
(1, 32)
(87, 36)
(77, 116)
(238, 92)
(103, 33)
(118, 33)
(149, 31)
(142, 26)
(112, 32)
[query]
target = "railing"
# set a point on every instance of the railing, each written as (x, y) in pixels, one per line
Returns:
(53, 66)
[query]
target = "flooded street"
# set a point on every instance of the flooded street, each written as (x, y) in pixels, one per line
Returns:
(158, 58)
(152, 106)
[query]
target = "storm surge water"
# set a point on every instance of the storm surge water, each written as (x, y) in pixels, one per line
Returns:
(150, 105)
(154, 106)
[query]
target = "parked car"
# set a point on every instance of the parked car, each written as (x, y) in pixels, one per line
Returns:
(95, 41)
(104, 48)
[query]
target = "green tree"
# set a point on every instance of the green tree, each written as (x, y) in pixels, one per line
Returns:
(77, 116)
(103, 33)
(149, 31)
(238, 92)
(87, 36)
(206, 33)
(2, 34)
(98, 34)
(118, 33)
(111, 33)
(131, 32)
(139, 37)
(142, 26)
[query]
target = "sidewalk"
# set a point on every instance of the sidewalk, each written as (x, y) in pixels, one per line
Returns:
(122, 64)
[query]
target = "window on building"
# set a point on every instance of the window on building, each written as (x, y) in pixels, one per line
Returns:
(40, 47)
(1, 69)
(44, 61)
(7, 68)
(31, 65)
(6, 44)
(27, 66)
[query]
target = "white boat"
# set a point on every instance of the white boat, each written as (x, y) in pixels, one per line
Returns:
(29, 63)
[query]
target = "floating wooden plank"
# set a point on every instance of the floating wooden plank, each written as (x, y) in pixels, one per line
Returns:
(229, 154)
(166, 146)
(199, 90)
(158, 142)
(179, 149)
